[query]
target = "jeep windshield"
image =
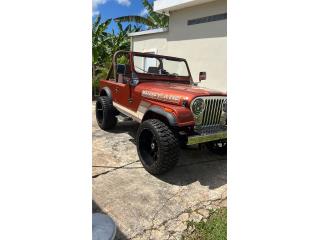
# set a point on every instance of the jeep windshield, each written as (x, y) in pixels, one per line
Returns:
(160, 65)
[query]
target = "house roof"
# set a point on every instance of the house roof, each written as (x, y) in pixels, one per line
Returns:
(165, 6)
(151, 31)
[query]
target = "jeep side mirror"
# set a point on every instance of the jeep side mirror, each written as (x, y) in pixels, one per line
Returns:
(202, 76)
(134, 81)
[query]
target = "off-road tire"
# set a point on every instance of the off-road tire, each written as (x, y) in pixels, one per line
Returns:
(217, 147)
(167, 154)
(105, 113)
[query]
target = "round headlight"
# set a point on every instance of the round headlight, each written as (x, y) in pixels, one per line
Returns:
(224, 105)
(198, 106)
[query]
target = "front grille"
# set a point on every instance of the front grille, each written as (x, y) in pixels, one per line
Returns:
(213, 113)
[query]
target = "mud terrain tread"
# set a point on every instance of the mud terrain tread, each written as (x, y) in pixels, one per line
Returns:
(109, 120)
(168, 145)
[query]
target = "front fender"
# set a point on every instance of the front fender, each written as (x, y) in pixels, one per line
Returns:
(176, 115)
(160, 111)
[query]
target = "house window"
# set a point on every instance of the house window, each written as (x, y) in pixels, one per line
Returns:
(211, 18)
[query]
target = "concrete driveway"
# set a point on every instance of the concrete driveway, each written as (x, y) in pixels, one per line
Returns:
(145, 206)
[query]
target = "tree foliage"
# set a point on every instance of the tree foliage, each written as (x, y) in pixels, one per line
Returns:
(105, 44)
(99, 37)
(151, 20)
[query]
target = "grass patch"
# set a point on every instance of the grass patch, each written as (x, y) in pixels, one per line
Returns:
(214, 229)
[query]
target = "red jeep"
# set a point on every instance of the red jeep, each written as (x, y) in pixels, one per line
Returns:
(158, 92)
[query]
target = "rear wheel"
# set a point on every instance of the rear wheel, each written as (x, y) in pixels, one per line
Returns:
(105, 113)
(157, 146)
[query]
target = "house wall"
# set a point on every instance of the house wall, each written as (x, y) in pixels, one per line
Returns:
(145, 43)
(203, 45)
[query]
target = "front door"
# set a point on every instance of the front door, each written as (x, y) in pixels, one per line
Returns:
(122, 94)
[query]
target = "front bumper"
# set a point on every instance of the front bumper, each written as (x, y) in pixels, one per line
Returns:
(208, 134)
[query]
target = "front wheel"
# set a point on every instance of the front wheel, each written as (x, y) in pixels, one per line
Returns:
(157, 146)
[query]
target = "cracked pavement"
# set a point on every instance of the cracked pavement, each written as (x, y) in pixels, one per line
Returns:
(145, 206)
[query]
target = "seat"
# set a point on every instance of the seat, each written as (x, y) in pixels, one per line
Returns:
(121, 68)
(128, 70)
(120, 78)
(123, 73)
(153, 70)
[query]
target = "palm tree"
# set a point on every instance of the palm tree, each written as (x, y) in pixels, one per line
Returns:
(120, 41)
(152, 20)
(105, 44)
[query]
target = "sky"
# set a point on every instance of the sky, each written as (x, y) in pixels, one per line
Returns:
(117, 8)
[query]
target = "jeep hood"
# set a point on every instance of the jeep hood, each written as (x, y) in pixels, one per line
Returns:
(188, 92)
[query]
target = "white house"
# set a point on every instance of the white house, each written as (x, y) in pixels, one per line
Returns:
(197, 31)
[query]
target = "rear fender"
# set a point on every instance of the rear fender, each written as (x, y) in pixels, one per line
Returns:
(105, 91)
